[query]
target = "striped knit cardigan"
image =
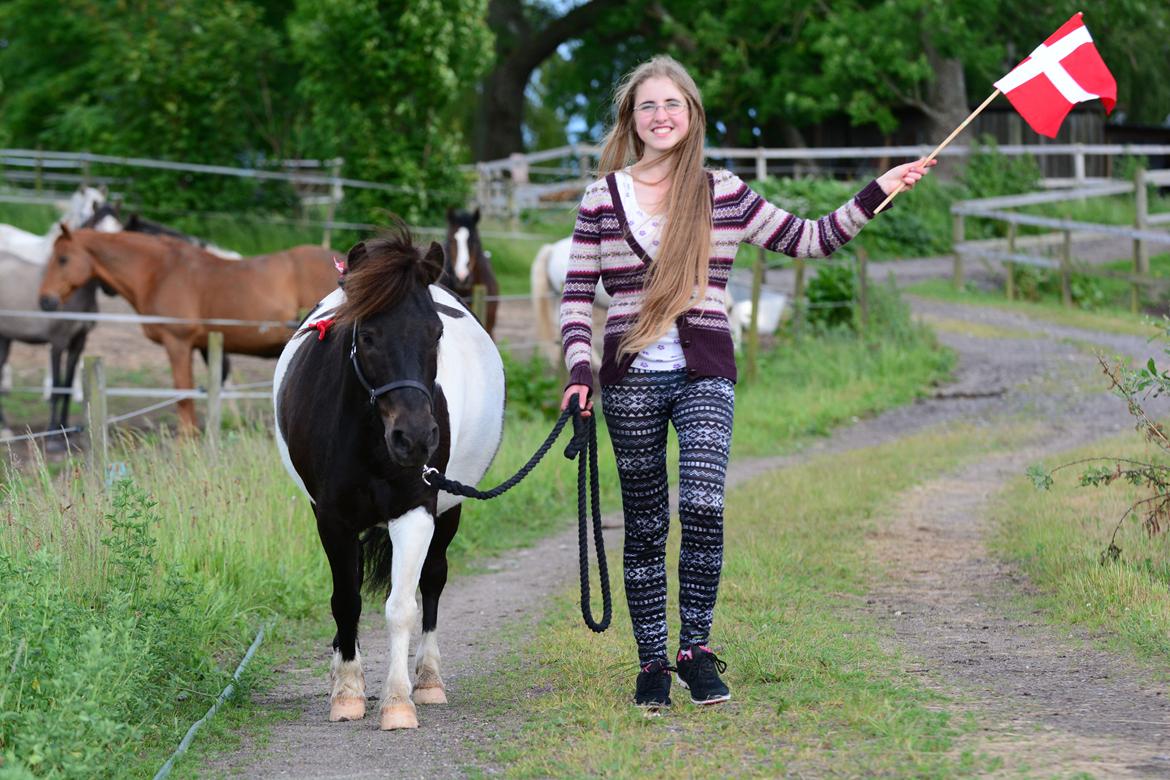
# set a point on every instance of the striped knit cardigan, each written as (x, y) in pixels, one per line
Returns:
(604, 247)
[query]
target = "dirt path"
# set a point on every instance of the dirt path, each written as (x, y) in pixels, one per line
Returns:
(948, 604)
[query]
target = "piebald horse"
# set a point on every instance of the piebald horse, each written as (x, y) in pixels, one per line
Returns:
(388, 375)
(164, 276)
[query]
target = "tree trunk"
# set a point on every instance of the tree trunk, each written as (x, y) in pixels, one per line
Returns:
(946, 99)
(520, 49)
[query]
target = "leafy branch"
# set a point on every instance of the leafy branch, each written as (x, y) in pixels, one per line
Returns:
(1133, 387)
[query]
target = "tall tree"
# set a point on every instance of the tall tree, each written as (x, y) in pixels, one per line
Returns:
(382, 80)
(527, 34)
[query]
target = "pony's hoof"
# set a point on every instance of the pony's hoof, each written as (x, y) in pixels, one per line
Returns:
(399, 716)
(347, 708)
(431, 695)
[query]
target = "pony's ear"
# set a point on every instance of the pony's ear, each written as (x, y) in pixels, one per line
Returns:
(65, 231)
(450, 213)
(105, 191)
(432, 263)
(475, 216)
(117, 207)
(355, 256)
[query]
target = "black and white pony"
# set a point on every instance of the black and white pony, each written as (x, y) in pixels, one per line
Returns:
(388, 375)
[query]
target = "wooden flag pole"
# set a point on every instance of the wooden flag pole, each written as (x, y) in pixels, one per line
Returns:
(941, 146)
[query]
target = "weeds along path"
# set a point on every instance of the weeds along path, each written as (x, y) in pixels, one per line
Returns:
(1025, 371)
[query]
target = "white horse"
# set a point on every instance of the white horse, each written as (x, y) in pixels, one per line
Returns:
(547, 277)
(36, 249)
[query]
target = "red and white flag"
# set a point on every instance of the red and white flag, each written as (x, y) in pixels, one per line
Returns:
(1064, 70)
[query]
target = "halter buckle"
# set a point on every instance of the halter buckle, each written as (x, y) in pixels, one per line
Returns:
(426, 472)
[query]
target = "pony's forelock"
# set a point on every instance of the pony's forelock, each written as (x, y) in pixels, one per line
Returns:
(383, 270)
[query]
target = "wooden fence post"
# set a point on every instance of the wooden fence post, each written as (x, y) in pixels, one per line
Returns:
(336, 193)
(958, 236)
(93, 375)
(1141, 252)
(214, 388)
(479, 302)
(753, 336)
(1066, 269)
(798, 297)
(861, 316)
(1010, 283)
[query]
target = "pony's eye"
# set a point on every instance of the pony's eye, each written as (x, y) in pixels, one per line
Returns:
(366, 339)
(62, 259)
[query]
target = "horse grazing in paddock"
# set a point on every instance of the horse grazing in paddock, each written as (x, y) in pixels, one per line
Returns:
(66, 338)
(163, 276)
(466, 263)
(389, 375)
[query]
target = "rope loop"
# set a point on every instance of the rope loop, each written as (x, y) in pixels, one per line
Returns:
(582, 447)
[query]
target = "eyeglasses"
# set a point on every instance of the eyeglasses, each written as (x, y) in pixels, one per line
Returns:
(672, 108)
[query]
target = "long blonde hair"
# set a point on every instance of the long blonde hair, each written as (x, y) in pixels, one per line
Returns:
(682, 261)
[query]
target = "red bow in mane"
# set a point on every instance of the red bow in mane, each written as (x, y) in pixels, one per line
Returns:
(321, 326)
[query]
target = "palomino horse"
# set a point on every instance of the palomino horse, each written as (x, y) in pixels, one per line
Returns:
(467, 264)
(389, 375)
(66, 338)
(167, 277)
(36, 249)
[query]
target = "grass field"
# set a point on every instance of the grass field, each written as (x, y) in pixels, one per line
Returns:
(815, 692)
(1057, 538)
(1107, 320)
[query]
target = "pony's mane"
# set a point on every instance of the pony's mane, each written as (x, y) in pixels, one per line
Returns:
(381, 270)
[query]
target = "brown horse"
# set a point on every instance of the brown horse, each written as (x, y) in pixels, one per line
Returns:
(466, 264)
(167, 277)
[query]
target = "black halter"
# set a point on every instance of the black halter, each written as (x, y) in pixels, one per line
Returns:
(375, 392)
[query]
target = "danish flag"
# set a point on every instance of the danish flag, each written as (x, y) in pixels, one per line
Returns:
(1064, 70)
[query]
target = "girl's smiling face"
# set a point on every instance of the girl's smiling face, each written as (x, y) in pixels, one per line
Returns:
(661, 115)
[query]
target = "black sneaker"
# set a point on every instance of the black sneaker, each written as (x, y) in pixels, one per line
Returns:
(698, 672)
(654, 685)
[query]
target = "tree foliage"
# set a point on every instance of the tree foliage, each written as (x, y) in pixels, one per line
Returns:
(239, 82)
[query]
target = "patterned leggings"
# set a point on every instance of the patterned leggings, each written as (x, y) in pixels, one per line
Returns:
(636, 412)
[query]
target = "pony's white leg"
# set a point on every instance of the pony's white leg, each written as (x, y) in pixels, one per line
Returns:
(347, 688)
(428, 685)
(410, 536)
(78, 392)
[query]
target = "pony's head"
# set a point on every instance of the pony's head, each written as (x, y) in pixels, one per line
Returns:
(463, 250)
(390, 321)
(82, 205)
(106, 218)
(70, 266)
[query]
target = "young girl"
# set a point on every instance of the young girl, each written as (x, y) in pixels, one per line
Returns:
(661, 233)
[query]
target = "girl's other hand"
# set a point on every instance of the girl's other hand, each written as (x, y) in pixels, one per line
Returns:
(907, 175)
(583, 402)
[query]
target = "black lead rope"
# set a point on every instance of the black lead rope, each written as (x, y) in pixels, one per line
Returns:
(583, 447)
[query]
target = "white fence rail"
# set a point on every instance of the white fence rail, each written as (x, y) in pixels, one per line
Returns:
(505, 186)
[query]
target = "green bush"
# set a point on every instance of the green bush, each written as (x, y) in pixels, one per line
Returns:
(830, 296)
(86, 678)
(532, 387)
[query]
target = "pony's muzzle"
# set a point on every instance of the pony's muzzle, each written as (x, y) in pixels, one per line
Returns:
(412, 445)
(49, 302)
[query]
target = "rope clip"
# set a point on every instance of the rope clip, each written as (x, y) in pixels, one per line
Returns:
(426, 472)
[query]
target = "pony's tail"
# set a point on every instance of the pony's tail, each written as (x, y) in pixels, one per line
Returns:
(542, 304)
(377, 554)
